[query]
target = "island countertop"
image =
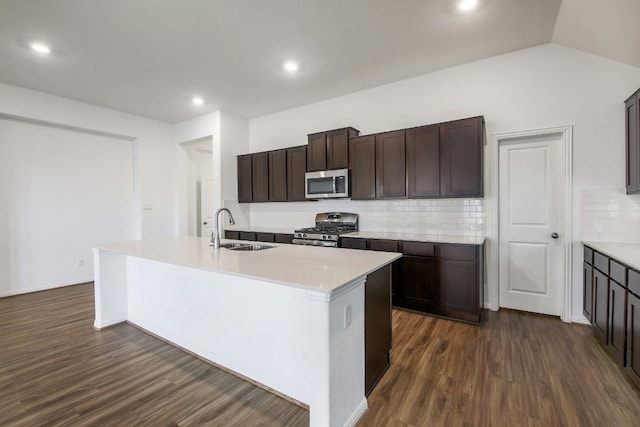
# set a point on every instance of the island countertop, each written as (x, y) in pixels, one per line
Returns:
(309, 267)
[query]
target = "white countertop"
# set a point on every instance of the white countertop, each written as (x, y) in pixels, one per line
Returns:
(627, 253)
(309, 267)
(434, 238)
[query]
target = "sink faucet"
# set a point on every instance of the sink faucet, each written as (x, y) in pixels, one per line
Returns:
(216, 240)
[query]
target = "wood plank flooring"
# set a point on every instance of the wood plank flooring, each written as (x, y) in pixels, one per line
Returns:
(517, 369)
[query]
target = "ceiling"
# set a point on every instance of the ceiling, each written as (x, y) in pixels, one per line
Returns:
(150, 57)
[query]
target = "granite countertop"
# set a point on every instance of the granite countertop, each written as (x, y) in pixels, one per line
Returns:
(627, 253)
(309, 267)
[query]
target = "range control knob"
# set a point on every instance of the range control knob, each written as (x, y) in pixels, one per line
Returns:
(304, 235)
(324, 236)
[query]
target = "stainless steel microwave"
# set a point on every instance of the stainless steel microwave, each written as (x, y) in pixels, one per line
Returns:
(327, 184)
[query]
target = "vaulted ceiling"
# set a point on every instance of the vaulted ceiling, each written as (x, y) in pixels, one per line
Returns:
(150, 57)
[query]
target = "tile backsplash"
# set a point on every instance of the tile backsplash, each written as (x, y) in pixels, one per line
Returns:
(457, 217)
(609, 215)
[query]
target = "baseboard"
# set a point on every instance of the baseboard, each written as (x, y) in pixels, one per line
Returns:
(359, 412)
(579, 318)
(489, 306)
(46, 287)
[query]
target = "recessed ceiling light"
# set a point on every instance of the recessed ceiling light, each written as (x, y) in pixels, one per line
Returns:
(197, 100)
(290, 66)
(467, 4)
(40, 48)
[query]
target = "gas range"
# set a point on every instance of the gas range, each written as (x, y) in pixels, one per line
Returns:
(329, 227)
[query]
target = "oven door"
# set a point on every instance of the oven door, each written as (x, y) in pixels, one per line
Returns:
(308, 242)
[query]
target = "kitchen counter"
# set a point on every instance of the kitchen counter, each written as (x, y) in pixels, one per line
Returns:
(416, 237)
(627, 253)
(276, 230)
(313, 268)
(290, 318)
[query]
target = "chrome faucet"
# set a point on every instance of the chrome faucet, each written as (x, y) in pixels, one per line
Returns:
(215, 238)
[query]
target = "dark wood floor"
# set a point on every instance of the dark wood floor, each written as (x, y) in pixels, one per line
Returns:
(516, 370)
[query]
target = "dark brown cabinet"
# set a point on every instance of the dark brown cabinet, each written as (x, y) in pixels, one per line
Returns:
(423, 161)
(600, 303)
(284, 238)
(277, 175)
(265, 237)
(391, 165)
(260, 177)
(632, 365)
(296, 168)
(245, 184)
(377, 330)
(231, 234)
(461, 147)
(248, 235)
(587, 289)
(362, 163)
(329, 150)
(616, 334)
(632, 143)
(442, 279)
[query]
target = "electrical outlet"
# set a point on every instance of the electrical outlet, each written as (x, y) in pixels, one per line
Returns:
(347, 316)
(599, 228)
(80, 262)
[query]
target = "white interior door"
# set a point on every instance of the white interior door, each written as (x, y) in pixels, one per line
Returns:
(531, 173)
(206, 207)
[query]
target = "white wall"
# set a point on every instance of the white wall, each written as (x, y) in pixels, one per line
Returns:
(101, 168)
(540, 87)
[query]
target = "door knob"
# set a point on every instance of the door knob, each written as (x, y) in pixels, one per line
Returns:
(554, 235)
(205, 223)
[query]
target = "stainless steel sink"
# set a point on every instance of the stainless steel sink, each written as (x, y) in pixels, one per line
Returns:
(245, 247)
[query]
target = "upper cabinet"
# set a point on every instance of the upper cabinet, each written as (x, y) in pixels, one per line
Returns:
(260, 178)
(632, 140)
(296, 168)
(277, 175)
(245, 185)
(390, 165)
(329, 150)
(362, 163)
(423, 161)
(461, 144)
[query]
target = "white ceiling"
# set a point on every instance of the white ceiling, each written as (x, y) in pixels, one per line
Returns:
(149, 57)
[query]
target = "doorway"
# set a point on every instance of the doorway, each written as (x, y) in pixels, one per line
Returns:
(535, 221)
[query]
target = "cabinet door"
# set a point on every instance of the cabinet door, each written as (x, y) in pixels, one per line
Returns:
(599, 316)
(418, 290)
(353, 243)
(233, 235)
(461, 158)
(260, 177)
(458, 287)
(617, 321)
(391, 177)
(362, 162)
(384, 245)
(632, 142)
(296, 168)
(248, 235)
(587, 290)
(338, 149)
(423, 161)
(317, 152)
(245, 185)
(632, 365)
(278, 176)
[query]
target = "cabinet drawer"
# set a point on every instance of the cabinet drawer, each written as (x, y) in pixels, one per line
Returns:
(458, 252)
(588, 255)
(353, 243)
(234, 235)
(618, 272)
(284, 238)
(247, 235)
(384, 245)
(265, 237)
(634, 282)
(601, 262)
(418, 248)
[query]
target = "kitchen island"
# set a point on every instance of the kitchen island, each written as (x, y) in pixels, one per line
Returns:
(290, 318)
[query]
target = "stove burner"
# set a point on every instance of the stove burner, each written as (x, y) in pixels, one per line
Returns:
(329, 227)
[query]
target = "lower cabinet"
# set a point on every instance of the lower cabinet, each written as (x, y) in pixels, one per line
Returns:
(587, 290)
(616, 321)
(632, 366)
(441, 279)
(600, 303)
(377, 326)
(260, 237)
